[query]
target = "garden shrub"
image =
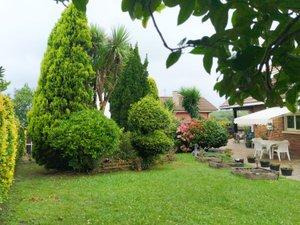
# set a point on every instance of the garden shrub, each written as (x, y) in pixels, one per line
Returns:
(8, 145)
(65, 84)
(149, 115)
(84, 139)
(205, 133)
(151, 145)
(151, 124)
(21, 142)
(126, 150)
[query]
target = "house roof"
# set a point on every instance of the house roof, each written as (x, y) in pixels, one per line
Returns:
(204, 105)
(247, 102)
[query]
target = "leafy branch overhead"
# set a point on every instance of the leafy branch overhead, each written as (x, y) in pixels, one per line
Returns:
(255, 44)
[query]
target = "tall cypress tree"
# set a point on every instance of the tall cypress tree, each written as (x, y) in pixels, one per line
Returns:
(132, 86)
(65, 84)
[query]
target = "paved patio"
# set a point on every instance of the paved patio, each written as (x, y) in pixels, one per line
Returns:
(239, 150)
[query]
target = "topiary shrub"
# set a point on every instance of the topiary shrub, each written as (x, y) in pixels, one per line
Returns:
(152, 125)
(149, 115)
(8, 145)
(84, 139)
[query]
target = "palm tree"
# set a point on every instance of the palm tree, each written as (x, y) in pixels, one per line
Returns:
(109, 56)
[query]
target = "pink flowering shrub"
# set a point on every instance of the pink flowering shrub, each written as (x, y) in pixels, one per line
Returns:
(186, 133)
(204, 133)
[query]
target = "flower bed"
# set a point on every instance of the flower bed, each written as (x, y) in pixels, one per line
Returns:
(256, 173)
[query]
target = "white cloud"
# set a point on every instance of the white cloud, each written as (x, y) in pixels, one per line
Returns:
(26, 25)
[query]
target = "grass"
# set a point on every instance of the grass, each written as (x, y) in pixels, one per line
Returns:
(183, 192)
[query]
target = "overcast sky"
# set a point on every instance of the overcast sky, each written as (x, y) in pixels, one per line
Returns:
(26, 25)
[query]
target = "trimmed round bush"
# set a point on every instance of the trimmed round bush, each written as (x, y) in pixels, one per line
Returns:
(84, 139)
(149, 115)
(151, 125)
(152, 144)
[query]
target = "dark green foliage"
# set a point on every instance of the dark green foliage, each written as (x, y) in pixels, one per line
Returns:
(22, 103)
(126, 150)
(257, 54)
(152, 127)
(210, 134)
(84, 139)
(190, 102)
(3, 83)
(153, 91)
(132, 86)
(65, 83)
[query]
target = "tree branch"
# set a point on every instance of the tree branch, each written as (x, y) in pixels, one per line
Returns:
(161, 35)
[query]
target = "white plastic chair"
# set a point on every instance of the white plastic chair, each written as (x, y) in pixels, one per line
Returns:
(259, 147)
(282, 147)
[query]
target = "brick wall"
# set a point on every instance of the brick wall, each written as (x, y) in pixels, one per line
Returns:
(278, 134)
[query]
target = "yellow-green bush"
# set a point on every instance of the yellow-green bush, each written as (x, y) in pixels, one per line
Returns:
(8, 144)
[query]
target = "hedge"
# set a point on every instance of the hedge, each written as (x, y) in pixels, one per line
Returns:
(8, 145)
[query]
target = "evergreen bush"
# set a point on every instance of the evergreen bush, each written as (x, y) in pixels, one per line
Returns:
(8, 145)
(84, 139)
(153, 91)
(65, 84)
(151, 124)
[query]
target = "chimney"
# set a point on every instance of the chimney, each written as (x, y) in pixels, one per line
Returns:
(177, 99)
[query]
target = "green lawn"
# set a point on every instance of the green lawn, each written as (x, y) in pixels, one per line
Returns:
(183, 192)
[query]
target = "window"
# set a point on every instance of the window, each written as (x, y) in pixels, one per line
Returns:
(292, 123)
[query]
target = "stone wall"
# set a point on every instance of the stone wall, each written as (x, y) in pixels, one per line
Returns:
(278, 133)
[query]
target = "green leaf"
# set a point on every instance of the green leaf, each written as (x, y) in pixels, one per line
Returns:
(208, 62)
(81, 4)
(186, 10)
(138, 10)
(145, 21)
(219, 16)
(127, 5)
(173, 58)
(292, 94)
(249, 57)
(171, 3)
(199, 50)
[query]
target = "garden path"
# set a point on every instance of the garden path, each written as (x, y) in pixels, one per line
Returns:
(239, 150)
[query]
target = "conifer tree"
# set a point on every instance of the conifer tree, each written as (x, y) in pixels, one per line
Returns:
(153, 91)
(132, 86)
(65, 84)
